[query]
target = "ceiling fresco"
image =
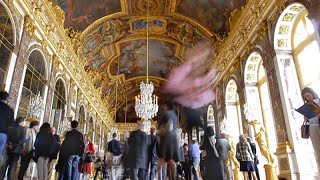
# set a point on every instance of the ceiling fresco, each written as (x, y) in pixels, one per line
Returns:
(113, 31)
(213, 14)
(79, 14)
(133, 59)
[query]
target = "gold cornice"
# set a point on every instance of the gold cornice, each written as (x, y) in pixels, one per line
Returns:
(57, 41)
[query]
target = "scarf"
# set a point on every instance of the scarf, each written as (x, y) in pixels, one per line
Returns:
(212, 140)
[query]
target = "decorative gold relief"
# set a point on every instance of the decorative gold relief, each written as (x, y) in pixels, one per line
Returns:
(59, 15)
(284, 29)
(55, 62)
(284, 164)
(288, 17)
(29, 26)
(296, 8)
(37, 7)
(282, 43)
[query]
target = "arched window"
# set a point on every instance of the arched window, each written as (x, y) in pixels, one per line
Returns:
(233, 114)
(210, 117)
(82, 119)
(306, 52)
(59, 103)
(34, 81)
(97, 136)
(6, 44)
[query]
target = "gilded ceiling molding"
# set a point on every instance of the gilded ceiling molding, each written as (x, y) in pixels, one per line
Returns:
(38, 14)
(246, 29)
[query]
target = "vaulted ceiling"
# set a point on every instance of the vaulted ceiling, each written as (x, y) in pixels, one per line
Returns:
(113, 41)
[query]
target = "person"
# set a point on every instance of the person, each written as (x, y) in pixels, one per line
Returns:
(186, 163)
(309, 96)
(53, 159)
(45, 147)
(169, 145)
(223, 148)
(73, 147)
(28, 149)
(194, 152)
(114, 148)
(16, 136)
(85, 165)
(256, 161)
(6, 120)
(138, 150)
(212, 160)
(246, 157)
(152, 153)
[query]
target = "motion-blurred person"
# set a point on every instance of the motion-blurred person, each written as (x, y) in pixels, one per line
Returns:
(169, 151)
(223, 148)
(115, 153)
(153, 154)
(28, 149)
(138, 150)
(6, 120)
(53, 159)
(194, 152)
(85, 165)
(213, 165)
(16, 137)
(186, 165)
(256, 161)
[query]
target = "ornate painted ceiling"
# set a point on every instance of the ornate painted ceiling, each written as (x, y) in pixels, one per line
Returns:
(113, 41)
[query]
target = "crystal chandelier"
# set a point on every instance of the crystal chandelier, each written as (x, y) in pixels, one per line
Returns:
(146, 104)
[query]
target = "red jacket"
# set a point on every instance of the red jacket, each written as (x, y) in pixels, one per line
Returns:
(88, 149)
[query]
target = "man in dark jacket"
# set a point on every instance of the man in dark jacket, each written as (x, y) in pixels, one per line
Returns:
(138, 150)
(73, 147)
(6, 120)
(114, 146)
(16, 136)
(153, 153)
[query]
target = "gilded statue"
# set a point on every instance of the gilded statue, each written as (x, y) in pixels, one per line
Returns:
(232, 154)
(262, 142)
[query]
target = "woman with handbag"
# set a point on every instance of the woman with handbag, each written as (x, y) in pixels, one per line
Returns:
(87, 158)
(313, 101)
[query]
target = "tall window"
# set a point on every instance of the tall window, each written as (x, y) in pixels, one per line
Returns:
(89, 128)
(97, 136)
(59, 103)
(34, 81)
(306, 52)
(82, 118)
(233, 115)
(6, 44)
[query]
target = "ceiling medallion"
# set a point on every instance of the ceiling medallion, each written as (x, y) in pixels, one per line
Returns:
(143, 5)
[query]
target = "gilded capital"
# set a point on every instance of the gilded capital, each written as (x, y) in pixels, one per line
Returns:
(29, 26)
(55, 62)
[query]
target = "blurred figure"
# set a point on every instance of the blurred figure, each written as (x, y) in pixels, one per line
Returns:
(6, 120)
(28, 149)
(73, 147)
(194, 151)
(212, 160)
(53, 159)
(246, 157)
(186, 165)
(223, 148)
(153, 154)
(167, 131)
(85, 165)
(138, 150)
(125, 157)
(190, 82)
(256, 161)
(114, 148)
(16, 137)
(45, 148)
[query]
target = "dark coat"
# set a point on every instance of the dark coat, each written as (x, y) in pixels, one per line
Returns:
(16, 137)
(46, 145)
(153, 149)
(114, 146)
(138, 149)
(73, 143)
(6, 117)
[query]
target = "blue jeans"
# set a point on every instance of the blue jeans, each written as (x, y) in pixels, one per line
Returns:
(3, 141)
(72, 167)
(195, 163)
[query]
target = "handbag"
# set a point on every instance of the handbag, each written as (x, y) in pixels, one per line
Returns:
(305, 130)
(90, 157)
